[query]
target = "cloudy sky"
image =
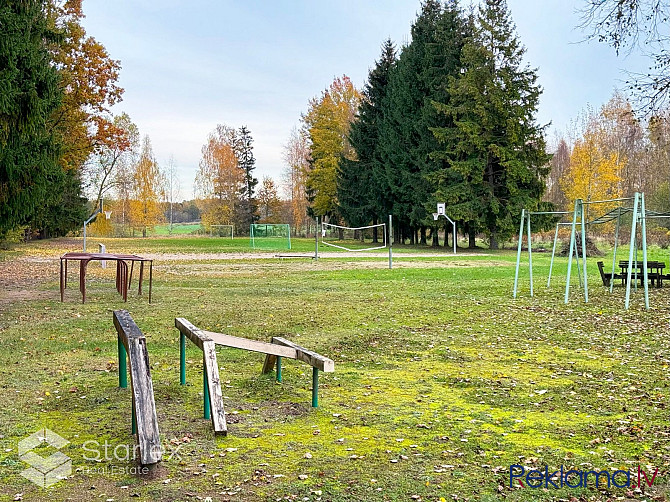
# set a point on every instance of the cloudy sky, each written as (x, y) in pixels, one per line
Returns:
(190, 65)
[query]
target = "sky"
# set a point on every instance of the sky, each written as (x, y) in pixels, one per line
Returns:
(190, 65)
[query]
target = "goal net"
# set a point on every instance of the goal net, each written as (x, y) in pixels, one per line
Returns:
(354, 238)
(226, 231)
(270, 236)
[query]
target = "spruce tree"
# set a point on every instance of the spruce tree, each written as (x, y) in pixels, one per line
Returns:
(495, 154)
(29, 170)
(244, 152)
(361, 185)
(419, 78)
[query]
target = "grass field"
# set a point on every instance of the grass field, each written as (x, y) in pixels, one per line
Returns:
(442, 380)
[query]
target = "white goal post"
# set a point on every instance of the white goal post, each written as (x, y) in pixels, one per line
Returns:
(222, 231)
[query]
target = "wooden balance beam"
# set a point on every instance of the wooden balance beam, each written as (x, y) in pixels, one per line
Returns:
(274, 351)
(132, 345)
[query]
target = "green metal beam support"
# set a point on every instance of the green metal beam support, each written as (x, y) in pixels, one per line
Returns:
(315, 387)
(518, 253)
(279, 369)
(530, 255)
(553, 253)
(133, 419)
(632, 248)
(578, 207)
(123, 369)
(586, 284)
(182, 359)
(205, 393)
(616, 242)
(643, 230)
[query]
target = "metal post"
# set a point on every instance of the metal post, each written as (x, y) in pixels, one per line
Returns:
(316, 239)
(289, 235)
(279, 369)
(123, 370)
(573, 230)
(182, 359)
(518, 253)
(630, 251)
(390, 237)
(553, 253)
(85, 236)
(530, 255)
(315, 387)
(205, 392)
(643, 231)
(616, 241)
(453, 237)
(586, 284)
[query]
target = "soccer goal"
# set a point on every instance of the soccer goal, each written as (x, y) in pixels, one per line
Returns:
(270, 236)
(225, 231)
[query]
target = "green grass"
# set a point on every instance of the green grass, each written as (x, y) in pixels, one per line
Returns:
(177, 228)
(441, 382)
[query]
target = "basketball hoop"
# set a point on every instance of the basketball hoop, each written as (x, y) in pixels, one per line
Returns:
(436, 216)
(108, 214)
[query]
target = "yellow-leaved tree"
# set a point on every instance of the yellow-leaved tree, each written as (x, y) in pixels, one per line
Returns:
(594, 172)
(219, 182)
(147, 191)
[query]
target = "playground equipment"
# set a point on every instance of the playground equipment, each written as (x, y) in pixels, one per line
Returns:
(441, 211)
(132, 345)
(353, 239)
(270, 236)
(579, 218)
(274, 352)
(222, 231)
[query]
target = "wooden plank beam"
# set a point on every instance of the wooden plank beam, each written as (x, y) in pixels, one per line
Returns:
(252, 345)
(217, 412)
(312, 358)
(195, 334)
(148, 437)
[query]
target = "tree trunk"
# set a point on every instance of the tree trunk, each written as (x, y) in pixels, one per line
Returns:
(447, 226)
(423, 236)
(434, 235)
(493, 244)
(471, 236)
(375, 237)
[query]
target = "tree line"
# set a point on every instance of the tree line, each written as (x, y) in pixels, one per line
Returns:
(450, 117)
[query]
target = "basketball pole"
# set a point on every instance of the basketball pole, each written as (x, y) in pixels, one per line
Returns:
(316, 238)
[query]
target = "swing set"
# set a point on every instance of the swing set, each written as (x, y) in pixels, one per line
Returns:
(579, 218)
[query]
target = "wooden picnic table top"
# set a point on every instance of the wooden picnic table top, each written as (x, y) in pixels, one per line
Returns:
(102, 256)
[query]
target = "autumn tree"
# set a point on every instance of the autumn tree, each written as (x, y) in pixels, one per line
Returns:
(30, 95)
(560, 163)
(244, 151)
(594, 173)
(220, 183)
(269, 203)
(327, 124)
(172, 189)
(296, 162)
(147, 192)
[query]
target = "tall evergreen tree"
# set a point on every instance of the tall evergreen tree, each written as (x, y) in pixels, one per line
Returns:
(419, 78)
(244, 151)
(361, 186)
(495, 154)
(28, 151)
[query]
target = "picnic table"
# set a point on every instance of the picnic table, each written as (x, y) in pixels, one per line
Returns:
(654, 271)
(123, 278)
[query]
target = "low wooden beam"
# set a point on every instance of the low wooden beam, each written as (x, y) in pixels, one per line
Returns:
(148, 437)
(312, 358)
(252, 345)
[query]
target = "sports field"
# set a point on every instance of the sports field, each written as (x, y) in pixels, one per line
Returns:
(442, 381)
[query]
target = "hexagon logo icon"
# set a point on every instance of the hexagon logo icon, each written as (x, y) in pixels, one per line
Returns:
(45, 471)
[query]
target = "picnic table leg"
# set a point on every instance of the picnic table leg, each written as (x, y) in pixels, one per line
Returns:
(151, 273)
(61, 279)
(139, 289)
(82, 279)
(130, 278)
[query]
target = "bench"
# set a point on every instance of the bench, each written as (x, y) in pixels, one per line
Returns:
(606, 278)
